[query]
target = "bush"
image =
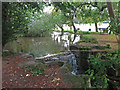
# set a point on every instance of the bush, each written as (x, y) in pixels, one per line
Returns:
(99, 67)
(41, 26)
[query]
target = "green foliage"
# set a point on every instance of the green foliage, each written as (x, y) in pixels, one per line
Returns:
(44, 23)
(90, 15)
(86, 48)
(37, 68)
(36, 72)
(86, 32)
(102, 47)
(59, 17)
(41, 25)
(78, 32)
(15, 16)
(99, 65)
(114, 26)
(69, 10)
(89, 39)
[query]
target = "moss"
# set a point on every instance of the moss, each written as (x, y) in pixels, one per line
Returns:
(102, 47)
(41, 61)
(99, 47)
(60, 63)
(34, 67)
(66, 68)
(83, 47)
(37, 69)
(8, 53)
(77, 81)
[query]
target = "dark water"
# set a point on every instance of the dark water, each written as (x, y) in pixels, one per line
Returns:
(41, 46)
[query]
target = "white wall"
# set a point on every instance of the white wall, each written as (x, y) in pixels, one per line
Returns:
(86, 27)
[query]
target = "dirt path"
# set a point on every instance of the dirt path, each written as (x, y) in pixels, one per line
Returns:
(15, 77)
(107, 39)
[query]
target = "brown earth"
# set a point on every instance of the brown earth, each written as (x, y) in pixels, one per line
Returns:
(106, 39)
(15, 77)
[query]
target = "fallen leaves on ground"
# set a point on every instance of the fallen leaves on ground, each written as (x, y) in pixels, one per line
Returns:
(15, 77)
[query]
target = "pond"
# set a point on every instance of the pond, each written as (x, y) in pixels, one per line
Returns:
(41, 46)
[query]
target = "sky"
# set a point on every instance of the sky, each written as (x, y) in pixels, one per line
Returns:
(48, 9)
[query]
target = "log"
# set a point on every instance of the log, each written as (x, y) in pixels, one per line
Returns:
(52, 55)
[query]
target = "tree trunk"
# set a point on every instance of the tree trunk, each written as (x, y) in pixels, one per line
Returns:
(61, 29)
(74, 38)
(119, 29)
(96, 27)
(75, 30)
(112, 17)
(110, 10)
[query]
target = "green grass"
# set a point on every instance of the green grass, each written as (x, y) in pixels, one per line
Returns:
(70, 31)
(78, 32)
(106, 39)
(90, 39)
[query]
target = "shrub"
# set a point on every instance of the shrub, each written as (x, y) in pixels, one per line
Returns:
(41, 26)
(99, 66)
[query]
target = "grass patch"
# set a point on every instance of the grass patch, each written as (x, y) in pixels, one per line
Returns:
(87, 39)
(105, 39)
(108, 39)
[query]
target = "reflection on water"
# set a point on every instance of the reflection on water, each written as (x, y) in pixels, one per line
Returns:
(41, 46)
(65, 39)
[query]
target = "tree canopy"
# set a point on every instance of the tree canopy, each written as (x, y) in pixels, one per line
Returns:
(15, 16)
(26, 17)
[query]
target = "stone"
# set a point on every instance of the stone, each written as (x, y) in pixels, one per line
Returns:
(32, 66)
(27, 55)
(55, 58)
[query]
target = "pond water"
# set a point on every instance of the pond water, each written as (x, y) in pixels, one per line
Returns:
(41, 46)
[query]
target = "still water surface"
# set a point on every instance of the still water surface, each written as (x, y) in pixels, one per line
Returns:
(41, 46)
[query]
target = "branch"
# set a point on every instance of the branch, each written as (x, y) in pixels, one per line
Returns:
(101, 9)
(94, 5)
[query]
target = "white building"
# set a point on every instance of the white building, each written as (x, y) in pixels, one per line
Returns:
(86, 27)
